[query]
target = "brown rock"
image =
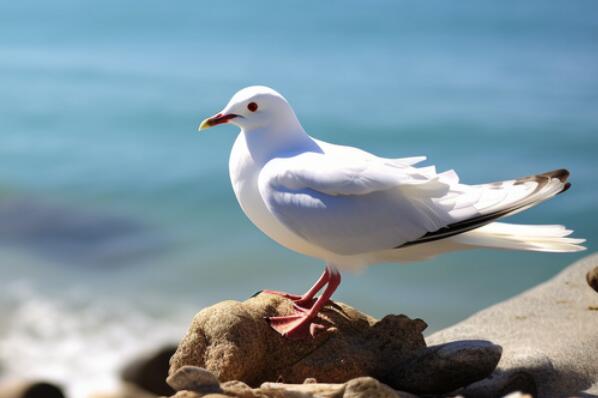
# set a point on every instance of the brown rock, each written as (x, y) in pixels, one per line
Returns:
(367, 387)
(198, 382)
(592, 278)
(149, 372)
(281, 390)
(234, 342)
(191, 394)
(239, 389)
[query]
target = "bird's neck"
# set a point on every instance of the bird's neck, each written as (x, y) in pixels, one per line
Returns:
(265, 144)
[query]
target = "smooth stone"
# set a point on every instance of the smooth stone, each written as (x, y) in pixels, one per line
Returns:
(237, 388)
(446, 367)
(194, 378)
(549, 332)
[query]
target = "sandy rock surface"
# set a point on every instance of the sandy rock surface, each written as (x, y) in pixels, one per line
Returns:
(233, 341)
(549, 336)
(194, 382)
(545, 342)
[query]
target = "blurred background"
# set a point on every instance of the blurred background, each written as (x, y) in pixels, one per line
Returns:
(118, 222)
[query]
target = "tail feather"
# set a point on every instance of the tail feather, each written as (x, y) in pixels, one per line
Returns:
(504, 198)
(545, 238)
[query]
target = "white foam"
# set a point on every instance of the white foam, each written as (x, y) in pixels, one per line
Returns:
(76, 341)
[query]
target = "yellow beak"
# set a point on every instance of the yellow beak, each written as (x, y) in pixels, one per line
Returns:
(216, 120)
(205, 124)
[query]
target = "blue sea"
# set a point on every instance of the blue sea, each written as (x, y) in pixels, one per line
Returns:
(117, 219)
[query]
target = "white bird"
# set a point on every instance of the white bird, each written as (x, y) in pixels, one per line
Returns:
(351, 208)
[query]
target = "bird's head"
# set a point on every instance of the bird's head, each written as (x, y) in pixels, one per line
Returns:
(253, 108)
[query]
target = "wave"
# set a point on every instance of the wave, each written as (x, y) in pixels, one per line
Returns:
(75, 340)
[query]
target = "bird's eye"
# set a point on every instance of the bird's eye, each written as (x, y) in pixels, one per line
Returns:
(252, 106)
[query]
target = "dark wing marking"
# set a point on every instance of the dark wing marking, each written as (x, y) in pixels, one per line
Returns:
(481, 220)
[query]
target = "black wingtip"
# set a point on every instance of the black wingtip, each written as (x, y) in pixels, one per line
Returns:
(561, 174)
(566, 187)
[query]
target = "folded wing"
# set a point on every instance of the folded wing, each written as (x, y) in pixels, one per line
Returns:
(353, 206)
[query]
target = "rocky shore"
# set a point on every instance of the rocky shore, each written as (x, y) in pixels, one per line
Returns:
(541, 343)
(549, 335)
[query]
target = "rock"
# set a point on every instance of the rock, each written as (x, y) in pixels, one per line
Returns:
(191, 394)
(194, 379)
(367, 387)
(446, 367)
(149, 372)
(237, 388)
(502, 384)
(549, 333)
(303, 390)
(592, 278)
(30, 389)
(233, 340)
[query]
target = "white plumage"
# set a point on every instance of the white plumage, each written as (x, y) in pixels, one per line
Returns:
(351, 208)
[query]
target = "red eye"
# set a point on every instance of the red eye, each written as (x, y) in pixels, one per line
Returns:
(252, 106)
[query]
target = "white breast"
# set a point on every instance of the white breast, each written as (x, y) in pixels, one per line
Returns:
(244, 173)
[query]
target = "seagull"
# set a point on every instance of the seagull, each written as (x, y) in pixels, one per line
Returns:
(350, 208)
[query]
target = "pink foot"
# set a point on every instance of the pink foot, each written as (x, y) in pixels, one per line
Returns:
(296, 326)
(301, 324)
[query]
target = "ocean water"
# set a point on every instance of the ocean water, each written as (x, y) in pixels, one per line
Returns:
(117, 220)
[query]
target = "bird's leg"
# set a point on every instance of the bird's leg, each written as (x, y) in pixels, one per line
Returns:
(301, 324)
(307, 299)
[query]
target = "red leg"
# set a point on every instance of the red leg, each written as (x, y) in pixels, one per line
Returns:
(301, 325)
(306, 301)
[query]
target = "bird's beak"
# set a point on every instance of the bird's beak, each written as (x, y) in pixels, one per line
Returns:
(216, 120)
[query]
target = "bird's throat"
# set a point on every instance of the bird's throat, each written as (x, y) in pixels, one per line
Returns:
(265, 144)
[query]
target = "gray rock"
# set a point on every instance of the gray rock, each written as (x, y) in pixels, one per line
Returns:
(549, 332)
(502, 384)
(194, 379)
(592, 278)
(446, 367)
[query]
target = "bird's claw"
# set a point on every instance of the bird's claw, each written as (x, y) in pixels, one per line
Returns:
(296, 326)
